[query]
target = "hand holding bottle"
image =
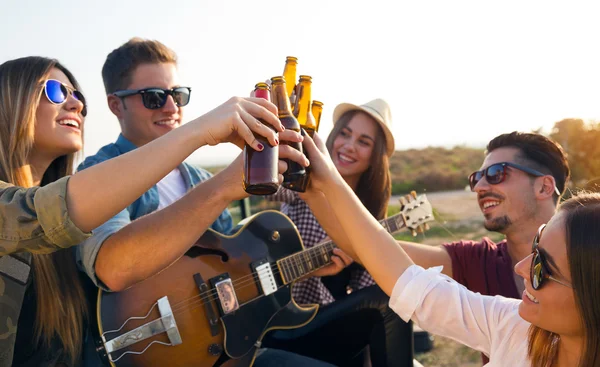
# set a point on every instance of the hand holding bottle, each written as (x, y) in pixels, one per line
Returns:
(235, 121)
(323, 171)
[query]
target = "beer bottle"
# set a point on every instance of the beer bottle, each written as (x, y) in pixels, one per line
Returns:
(302, 109)
(317, 109)
(295, 175)
(260, 176)
(289, 74)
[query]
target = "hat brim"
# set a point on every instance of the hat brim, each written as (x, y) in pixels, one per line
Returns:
(342, 108)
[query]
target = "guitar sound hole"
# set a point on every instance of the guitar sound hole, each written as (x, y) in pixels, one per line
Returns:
(196, 251)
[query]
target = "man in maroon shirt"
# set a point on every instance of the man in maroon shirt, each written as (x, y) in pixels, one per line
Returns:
(518, 189)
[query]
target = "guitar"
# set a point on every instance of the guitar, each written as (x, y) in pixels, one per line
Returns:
(213, 306)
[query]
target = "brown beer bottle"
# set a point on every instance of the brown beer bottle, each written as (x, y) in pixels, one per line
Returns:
(302, 108)
(317, 110)
(289, 74)
(295, 175)
(260, 176)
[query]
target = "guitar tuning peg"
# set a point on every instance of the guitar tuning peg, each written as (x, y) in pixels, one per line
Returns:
(408, 198)
(413, 232)
(420, 229)
(402, 200)
(413, 194)
(426, 227)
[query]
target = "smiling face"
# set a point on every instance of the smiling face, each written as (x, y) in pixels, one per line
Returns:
(58, 128)
(353, 146)
(542, 306)
(511, 201)
(139, 124)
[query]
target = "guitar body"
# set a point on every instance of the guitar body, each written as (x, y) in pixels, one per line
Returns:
(233, 337)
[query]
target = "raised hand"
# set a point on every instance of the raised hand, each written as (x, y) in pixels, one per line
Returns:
(322, 167)
(231, 176)
(236, 121)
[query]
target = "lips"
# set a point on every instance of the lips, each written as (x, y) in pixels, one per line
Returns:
(345, 159)
(489, 204)
(70, 123)
(167, 122)
(528, 296)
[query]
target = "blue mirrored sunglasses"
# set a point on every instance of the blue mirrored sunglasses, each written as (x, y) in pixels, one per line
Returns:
(58, 92)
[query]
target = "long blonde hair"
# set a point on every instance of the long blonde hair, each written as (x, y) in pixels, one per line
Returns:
(375, 184)
(61, 303)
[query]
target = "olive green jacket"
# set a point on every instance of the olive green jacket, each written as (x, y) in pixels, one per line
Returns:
(32, 221)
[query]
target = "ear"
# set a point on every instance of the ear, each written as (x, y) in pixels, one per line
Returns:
(545, 187)
(116, 106)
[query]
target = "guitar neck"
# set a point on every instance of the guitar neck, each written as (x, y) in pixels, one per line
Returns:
(296, 266)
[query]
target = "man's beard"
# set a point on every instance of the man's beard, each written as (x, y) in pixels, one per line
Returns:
(499, 224)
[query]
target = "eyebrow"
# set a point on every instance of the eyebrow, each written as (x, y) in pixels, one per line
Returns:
(362, 135)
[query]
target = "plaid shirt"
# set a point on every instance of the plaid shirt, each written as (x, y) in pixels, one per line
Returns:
(312, 290)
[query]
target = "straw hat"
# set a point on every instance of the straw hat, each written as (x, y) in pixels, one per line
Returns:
(379, 110)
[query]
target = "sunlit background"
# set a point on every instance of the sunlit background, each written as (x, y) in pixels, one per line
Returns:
(454, 72)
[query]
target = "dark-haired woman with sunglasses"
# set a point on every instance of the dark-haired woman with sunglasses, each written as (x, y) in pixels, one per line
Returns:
(42, 111)
(557, 321)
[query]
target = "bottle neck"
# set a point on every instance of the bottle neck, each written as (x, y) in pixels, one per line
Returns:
(281, 100)
(261, 93)
(302, 107)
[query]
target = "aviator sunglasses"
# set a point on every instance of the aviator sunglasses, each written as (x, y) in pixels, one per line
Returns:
(57, 93)
(539, 270)
(155, 98)
(496, 173)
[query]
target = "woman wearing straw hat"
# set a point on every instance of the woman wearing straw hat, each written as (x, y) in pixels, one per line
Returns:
(360, 146)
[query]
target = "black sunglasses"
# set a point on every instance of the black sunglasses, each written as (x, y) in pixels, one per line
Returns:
(539, 270)
(57, 93)
(155, 98)
(496, 173)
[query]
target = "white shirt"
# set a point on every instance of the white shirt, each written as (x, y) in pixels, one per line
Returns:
(170, 188)
(441, 306)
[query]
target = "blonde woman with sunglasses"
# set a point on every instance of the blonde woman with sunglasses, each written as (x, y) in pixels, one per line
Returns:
(42, 113)
(557, 320)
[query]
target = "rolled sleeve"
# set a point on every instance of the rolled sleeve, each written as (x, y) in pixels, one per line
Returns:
(51, 204)
(411, 288)
(443, 307)
(36, 220)
(87, 252)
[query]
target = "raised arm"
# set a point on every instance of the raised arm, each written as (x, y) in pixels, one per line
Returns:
(94, 196)
(42, 220)
(383, 258)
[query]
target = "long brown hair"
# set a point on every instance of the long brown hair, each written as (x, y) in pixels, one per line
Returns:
(375, 184)
(582, 215)
(61, 303)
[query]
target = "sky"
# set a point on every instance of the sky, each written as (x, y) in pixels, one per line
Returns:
(454, 72)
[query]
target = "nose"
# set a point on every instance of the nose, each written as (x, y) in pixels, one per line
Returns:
(481, 186)
(522, 267)
(170, 105)
(73, 105)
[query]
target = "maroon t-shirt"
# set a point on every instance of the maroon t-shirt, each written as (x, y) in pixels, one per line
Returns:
(483, 267)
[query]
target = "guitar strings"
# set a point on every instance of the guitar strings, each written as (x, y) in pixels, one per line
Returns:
(213, 293)
(250, 279)
(238, 283)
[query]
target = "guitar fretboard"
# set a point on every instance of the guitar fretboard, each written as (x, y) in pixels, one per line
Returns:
(296, 266)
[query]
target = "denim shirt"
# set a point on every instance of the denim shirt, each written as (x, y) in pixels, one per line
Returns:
(146, 204)
(33, 220)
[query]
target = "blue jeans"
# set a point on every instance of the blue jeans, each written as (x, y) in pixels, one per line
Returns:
(280, 358)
